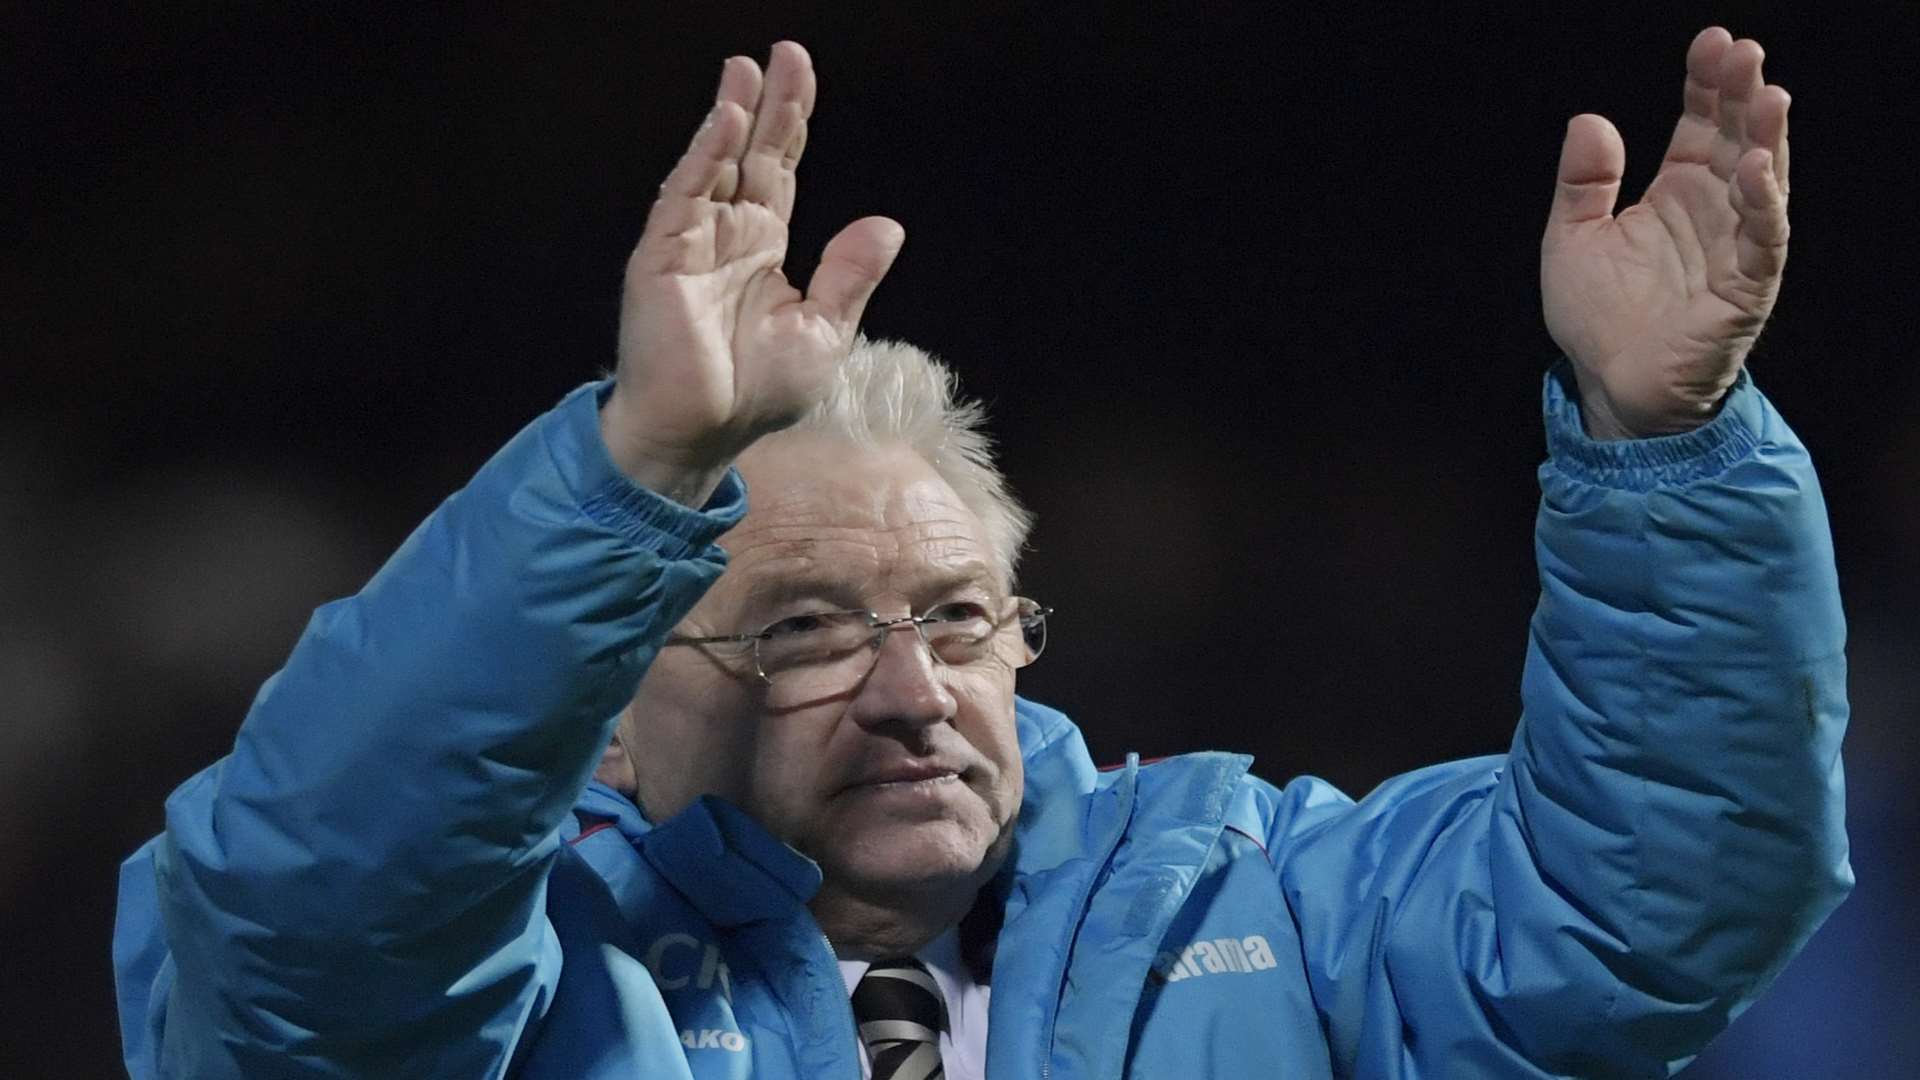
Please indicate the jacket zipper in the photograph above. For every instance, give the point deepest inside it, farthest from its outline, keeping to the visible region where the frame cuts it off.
(858, 1050)
(1080, 910)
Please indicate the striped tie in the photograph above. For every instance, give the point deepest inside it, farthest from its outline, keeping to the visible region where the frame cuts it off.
(901, 1017)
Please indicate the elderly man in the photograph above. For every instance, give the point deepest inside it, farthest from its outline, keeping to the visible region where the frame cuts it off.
(555, 796)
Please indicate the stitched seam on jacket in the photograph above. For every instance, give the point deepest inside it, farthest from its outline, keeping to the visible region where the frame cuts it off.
(1636, 917)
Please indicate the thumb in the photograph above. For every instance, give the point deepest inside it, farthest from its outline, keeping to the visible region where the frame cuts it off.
(851, 268)
(1592, 160)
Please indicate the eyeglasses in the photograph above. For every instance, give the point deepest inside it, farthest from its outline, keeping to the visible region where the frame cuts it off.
(820, 654)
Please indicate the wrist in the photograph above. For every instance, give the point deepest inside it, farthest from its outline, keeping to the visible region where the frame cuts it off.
(688, 477)
(1604, 422)
(1607, 418)
(1597, 418)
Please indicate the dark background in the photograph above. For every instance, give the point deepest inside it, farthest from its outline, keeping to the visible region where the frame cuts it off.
(1252, 297)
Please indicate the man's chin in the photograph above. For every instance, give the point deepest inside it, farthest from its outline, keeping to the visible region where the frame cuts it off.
(915, 855)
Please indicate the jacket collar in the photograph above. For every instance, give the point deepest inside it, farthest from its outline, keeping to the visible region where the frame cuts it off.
(729, 866)
(734, 870)
(1097, 882)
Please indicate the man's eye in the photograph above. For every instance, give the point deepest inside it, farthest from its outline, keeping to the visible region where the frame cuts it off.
(959, 611)
(796, 624)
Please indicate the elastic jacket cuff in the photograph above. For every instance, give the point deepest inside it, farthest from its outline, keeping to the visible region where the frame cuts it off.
(1644, 464)
(609, 499)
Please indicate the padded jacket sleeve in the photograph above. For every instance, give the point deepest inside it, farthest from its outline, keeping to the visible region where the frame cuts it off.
(357, 889)
(1666, 830)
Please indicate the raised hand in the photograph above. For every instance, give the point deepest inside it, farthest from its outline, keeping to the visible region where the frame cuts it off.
(717, 348)
(1658, 306)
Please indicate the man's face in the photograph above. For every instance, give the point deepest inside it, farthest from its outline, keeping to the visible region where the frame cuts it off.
(907, 777)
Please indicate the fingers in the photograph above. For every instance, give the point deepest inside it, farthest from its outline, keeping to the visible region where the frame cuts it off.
(1592, 160)
(1767, 128)
(1756, 196)
(749, 145)
(851, 268)
(1739, 83)
(1700, 119)
(708, 166)
(1730, 109)
(740, 84)
(1750, 153)
(779, 130)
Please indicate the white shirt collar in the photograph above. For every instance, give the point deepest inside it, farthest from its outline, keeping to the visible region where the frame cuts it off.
(963, 1048)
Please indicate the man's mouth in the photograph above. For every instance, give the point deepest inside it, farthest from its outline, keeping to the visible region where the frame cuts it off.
(907, 776)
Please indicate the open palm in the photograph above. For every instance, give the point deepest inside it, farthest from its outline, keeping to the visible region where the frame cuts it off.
(717, 347)
(1658, 306)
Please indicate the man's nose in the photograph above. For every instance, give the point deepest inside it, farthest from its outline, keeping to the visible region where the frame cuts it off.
(906, 686)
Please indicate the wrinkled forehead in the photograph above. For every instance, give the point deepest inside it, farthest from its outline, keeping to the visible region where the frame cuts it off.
(853, 524)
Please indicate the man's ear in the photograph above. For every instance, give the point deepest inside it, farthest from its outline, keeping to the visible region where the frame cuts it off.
(616, 768)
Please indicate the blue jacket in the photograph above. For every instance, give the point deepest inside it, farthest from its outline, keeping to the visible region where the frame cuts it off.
(403, 870)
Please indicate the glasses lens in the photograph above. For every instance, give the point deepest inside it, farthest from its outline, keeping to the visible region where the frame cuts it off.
(958, 633)
(1033, 627)
(815, 656)
(812, 643)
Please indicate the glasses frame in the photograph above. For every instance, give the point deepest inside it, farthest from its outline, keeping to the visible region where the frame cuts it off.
(1027, 612)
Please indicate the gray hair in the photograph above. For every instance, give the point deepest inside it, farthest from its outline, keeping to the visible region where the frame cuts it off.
(890, 391)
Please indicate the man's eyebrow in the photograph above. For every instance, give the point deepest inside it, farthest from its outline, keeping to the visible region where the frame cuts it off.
(775, 590)
(968, 574)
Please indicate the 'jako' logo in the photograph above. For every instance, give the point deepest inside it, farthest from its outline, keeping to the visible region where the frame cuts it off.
(712, 1039)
